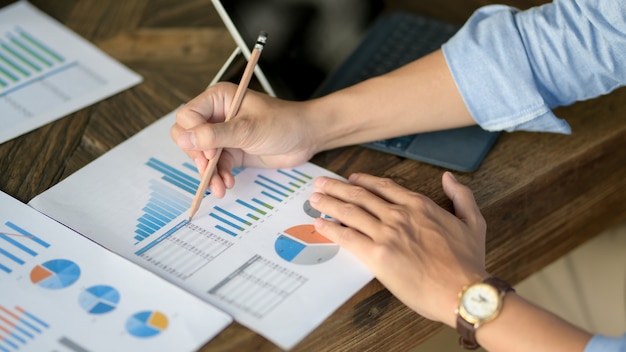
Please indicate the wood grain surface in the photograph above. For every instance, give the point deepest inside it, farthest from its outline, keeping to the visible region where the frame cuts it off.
(542, 194)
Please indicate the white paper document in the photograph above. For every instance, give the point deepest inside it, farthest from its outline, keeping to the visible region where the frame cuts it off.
(47, 71)
(61, 292)
(254, 254)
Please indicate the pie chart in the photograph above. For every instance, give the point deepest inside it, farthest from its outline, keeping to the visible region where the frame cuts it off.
(303, 245)
(99, 299)
(146, 323)
(312, 212)
(55, 274)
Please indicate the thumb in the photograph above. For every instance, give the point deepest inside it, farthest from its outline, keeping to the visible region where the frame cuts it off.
(465, 207)
(210, 136)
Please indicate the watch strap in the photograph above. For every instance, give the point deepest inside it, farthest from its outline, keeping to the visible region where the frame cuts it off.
(467, 334)
(467, 330)
(501, 285)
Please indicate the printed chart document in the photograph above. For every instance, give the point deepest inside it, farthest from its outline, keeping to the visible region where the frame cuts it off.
(62, 292)
(47, 71)
(254, 254)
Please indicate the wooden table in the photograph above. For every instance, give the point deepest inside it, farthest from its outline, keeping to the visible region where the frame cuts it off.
(542, 194)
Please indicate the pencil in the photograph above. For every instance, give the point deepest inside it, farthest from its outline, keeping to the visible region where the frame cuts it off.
(232, 111)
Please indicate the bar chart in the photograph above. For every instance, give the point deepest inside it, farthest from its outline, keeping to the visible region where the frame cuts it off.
(17, 247)
(258, 286)
(172, 193)
(265, 194)
(18, 327)
(170, 196)
(22, 56)
(184, 249)
(30, 67)
(47, 71)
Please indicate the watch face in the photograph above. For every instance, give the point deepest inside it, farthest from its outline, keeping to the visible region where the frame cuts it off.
(481, 302)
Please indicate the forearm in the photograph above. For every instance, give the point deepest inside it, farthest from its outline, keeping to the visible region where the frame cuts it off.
(522, 326)
(418, 97)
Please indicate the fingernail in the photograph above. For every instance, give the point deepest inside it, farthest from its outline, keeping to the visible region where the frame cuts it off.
(318, 223)
(186, 140)
(451, 175)
(315, 197)
(320, 181)
(200, 162)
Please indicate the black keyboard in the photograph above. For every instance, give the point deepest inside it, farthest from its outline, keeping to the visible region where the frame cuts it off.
(393, 41)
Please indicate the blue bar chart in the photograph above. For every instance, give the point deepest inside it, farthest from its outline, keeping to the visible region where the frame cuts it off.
(267, 192)
(258, 286)
(172, 193)
(18, 327)
(17, 247)
(184, 249)
(170, 196)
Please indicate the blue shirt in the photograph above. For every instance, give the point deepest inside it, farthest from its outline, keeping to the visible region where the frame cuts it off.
(602, 343)
(513, 67)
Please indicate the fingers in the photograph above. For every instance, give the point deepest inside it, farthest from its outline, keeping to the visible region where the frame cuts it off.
(356, 242)
(207, 137)
(185, 141)
(203, 108)
(209, 106)
(195, 132)
(192, 132)
(224, 169)
(382, 187)
(373, 205)
(465, 206)
(351, 205)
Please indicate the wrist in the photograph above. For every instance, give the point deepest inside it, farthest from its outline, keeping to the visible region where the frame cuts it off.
(479, 303)
(451, 299)
(329, 126)
(524, 326)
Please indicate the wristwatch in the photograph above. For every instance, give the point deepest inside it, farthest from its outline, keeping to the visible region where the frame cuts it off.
(478, 303)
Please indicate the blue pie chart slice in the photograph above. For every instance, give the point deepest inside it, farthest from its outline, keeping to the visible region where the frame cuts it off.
(301, 244)
(99, 299)
(55, 274)
(146, 324)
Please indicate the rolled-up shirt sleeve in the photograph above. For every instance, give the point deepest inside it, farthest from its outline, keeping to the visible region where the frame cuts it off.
(513, 67)
(601, 343)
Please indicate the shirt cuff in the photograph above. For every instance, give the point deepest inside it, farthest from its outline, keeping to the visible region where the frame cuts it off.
(484, 57)
(604, 343)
